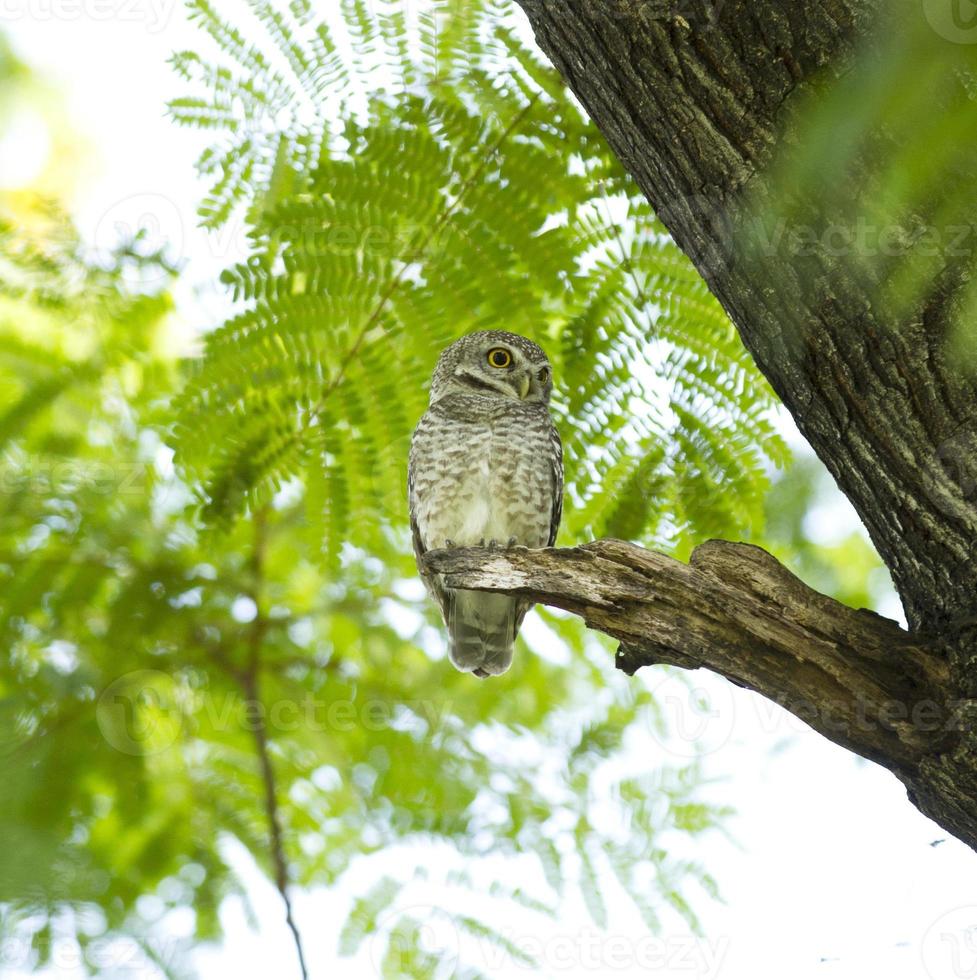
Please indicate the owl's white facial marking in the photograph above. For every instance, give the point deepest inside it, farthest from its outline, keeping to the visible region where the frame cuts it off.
(522, 383)
(482, 383)
(494, 364)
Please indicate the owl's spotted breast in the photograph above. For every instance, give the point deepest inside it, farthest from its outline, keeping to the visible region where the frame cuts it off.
(484, 480)
(485, 467)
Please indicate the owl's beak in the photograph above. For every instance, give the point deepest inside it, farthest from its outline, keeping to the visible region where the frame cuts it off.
(525, 383)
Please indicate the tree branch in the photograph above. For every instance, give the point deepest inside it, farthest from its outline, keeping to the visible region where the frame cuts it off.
(855, 677)
(249, 682)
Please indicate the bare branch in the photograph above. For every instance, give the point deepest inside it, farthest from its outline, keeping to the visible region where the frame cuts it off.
(249, 682)
(855, 677)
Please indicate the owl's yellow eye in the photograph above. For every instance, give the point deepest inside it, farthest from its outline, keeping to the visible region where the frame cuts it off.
(499, 357)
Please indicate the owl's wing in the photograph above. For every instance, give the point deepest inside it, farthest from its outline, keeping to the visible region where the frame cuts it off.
(556, 513)
(556, 469)
(431, 582)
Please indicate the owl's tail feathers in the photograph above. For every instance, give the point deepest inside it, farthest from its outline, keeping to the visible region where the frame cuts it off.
(482, 629)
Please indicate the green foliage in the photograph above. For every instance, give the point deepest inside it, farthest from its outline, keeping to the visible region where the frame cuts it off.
(170, 636)
(143, 654)
(82, 823)
(847, 566)
(464, 190)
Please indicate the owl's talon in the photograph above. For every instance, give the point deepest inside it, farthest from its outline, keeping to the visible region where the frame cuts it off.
(448, 543)
(493, 543)
(511, 543)
(481, 543)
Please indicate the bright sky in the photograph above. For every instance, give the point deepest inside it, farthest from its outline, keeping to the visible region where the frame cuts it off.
(832, 875)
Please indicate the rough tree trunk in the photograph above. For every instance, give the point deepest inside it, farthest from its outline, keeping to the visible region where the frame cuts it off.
(695, 104)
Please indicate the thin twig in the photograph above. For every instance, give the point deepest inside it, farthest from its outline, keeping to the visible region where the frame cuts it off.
(249, 681)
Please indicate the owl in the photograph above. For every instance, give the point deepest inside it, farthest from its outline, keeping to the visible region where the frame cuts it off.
(486, 468)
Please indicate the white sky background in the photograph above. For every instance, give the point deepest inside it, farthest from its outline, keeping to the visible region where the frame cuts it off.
(831, 876)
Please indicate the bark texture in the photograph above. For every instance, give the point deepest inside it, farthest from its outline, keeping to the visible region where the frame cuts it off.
(696, 98)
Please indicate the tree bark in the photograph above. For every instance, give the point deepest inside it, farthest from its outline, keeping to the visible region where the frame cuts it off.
(857, 678)
(696, 105)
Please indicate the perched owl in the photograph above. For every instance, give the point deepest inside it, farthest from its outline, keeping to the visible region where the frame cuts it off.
(486, 468)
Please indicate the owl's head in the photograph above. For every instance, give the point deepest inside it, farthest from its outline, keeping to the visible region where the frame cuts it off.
(495, 364)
